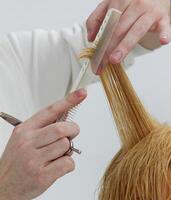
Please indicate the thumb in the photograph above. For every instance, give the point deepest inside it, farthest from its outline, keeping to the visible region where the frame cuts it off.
(54, 112)
(95, 20)
(70, 101)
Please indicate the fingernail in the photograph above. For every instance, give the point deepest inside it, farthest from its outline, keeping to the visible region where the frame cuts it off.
(81, 92)
(90, 37)
(165, 36)
(116, 56)
(165, 39)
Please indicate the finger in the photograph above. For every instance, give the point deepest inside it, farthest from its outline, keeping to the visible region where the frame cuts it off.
(59, 168)
(54, 112)
(55, 150)
(120, 5)
(54, 132)
(164, 31)
(126, 21)
(95, 20)
(138, 30)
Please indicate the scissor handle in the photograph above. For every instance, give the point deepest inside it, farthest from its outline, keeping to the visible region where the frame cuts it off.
(10, 119)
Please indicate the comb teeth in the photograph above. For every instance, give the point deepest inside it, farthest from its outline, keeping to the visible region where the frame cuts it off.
(69, 116)
(72, 113)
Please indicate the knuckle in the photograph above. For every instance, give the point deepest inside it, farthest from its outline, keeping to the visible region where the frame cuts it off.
(125, 49)
(143, 3)
(60, 129)
(65, 143)
(17, 129)
(76, 128)
(70, 100)
(97, 20)
(138, 32)
(93, 18)
(128, 48)
(51, 109)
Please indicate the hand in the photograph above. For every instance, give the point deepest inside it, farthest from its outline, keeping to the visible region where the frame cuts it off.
(138, 17)
(35, 154)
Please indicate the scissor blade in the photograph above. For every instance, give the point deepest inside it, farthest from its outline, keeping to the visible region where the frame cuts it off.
(104, 37)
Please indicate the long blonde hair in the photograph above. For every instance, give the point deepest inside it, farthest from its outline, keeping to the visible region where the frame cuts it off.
(141, 169)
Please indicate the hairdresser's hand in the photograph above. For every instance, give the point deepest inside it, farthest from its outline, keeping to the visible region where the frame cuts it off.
(34, 157)
(138, 18)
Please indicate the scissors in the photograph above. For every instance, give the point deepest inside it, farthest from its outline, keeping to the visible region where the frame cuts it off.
(15, 122)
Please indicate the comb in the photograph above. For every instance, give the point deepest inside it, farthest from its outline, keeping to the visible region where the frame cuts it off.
(101, 42)
(104, 37)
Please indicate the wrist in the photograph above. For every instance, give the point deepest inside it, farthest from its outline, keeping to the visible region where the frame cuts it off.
(9, 197)
(6, 194)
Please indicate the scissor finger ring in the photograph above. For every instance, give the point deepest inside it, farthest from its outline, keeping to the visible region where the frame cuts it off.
(73, 149)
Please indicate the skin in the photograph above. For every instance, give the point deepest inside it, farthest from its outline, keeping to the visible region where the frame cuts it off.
(35, 156)
(142, 21)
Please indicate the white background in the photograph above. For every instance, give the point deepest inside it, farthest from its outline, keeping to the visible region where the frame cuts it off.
(151, 76)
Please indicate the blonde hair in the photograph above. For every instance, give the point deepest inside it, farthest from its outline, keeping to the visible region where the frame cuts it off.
(141, 169)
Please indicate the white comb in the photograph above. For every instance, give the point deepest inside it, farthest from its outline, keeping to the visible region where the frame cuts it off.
(101, 42)
(104, 37)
